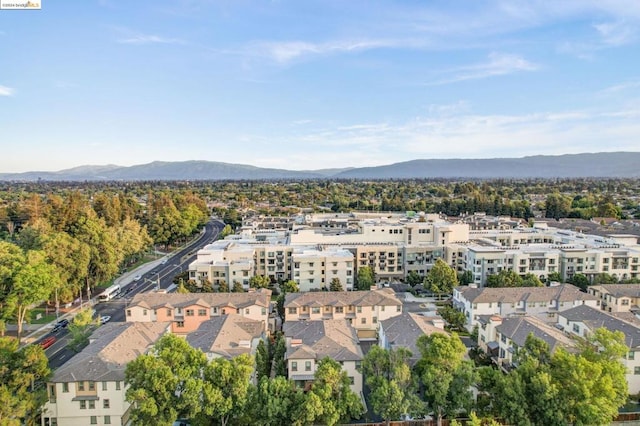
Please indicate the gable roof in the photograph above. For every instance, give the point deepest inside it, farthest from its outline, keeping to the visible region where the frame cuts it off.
(379, 297)
(405, 329)
(561, 293)
(112, 347)
(261, 297)
(222, 335)
(619, 290)
(595, 318)
(518, 329)
(336, 339)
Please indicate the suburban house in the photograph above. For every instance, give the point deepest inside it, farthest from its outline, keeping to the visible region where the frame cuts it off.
(583, 320)
(617, 297)
(90, 389)
(308, 342)
(542, 302)
(403, 331)
(362, 309)
(501, 338)
(227, 336)
(186, 312)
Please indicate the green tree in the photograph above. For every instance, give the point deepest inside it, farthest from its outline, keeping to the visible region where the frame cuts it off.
(504, 278)
(331, 398)
(263, 361)
(182, 289)
(444, 374)
(32, 284)
(336, 285)
(389, 378)
(413, 278)
(226, 231)
(80, 328)
(259, 281)
(555, 276)
(277, 402)
(453, 317)
(466, 278)
(237, 287)
(12, 258)
(604, 278)
(223, 287)
(579, 280)
(20, 372)
(290, 286)
(365, 278)
(279, 351)
(531, 280)
(441, 279)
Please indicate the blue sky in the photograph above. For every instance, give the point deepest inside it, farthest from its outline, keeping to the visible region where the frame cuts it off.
(315, 84)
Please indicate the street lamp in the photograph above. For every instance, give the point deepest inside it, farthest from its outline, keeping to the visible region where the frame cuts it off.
(158, 281)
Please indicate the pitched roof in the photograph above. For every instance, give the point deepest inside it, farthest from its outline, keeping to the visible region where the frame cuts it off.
(223, 335)
(261, 297)
(618, 290)
(336, 339)
(518, 329)
(561, 293)
(379, 297)
(112, 347)
(595, 318)
(405, 329)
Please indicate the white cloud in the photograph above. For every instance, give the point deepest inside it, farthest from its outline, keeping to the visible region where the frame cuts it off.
(616, 33)
(6, 91)
(149, 39)
(498, 64)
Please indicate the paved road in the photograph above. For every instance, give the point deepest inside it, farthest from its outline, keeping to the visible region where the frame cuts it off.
(160, 271)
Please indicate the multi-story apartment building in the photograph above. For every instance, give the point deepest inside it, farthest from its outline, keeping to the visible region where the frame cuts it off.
(273, 261)
(227, 336)
(315, 269)
(90, 388)
(617, 297)
(223, 261)
(501, 337)
(542, 302)
(403, 331)
(185, 312)
(308, 342)
(362, 309)
(583, 320)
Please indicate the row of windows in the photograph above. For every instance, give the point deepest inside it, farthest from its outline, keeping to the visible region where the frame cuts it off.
(340, 309)
(294, 366)
(92, 404)
(191, 312)
(90, 385)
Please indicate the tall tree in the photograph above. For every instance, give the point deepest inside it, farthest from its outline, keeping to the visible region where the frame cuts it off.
(336, 285)
(259, 281)
(263, 361)
(413, 278)
(331, 398)
(365, 278)
(504, 278)
(80, 329)
(441, 279)
(444, 374)
(276, 402)
(290, 286)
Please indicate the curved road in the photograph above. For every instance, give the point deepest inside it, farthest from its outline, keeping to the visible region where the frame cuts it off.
(162, 272)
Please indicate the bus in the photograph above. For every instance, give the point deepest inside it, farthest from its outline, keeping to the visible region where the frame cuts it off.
(110, 293)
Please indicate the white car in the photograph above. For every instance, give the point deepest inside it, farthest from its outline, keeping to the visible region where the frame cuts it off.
(104, 319)
(137, 278)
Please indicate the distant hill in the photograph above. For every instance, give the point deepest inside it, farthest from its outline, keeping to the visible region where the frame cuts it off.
(598, 165)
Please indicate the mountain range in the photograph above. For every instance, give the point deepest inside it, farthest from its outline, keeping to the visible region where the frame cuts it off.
(597, 165)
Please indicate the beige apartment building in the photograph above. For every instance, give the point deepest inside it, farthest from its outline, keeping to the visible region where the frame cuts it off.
(90, 388)
(362, 309)
(308, 342)
(617, 297)
(315, 269)
(185, 312)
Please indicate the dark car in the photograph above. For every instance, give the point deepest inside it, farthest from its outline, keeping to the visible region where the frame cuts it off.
(60, 325)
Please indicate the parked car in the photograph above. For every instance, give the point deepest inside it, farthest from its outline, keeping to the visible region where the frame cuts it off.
(60, 325)
(137, 278)
(164, 261)
(104, 319)
(48, 341)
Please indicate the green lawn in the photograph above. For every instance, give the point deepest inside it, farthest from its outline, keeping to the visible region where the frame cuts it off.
(46, 318)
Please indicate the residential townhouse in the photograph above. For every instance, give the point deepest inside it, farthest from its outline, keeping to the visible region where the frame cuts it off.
(403, 331)
(308, 342)
(227, 336)
(90, 388)
(583, 320)
(617, 297)
(542, 302)
(186, 312)
(501, 337)
(362, 309)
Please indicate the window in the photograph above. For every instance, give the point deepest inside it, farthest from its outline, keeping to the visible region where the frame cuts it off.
(117, 385)
(92, 405)
(263, 311)
(144, 312)
(247, 310)
(294, 365)
(92, 386)
(631, 355)
(189, 312)
(382, 308)
(351, 381)
(215, 310)
(94, 420)
(359, 309)
(315, 310)
(307, 366)
(398, 308)
(81, 386)
(339, 309)
(105, 403)
(168, 312)
(128, 312)
(179, 324)
(104, 386)
(107, 420)
(65, 387)
(83, 405)
(292, 310)
(363, 320)
(375, 320)
(636, 370)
